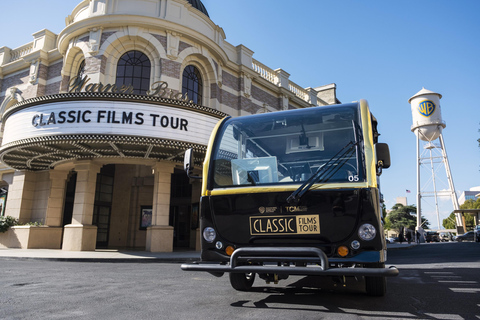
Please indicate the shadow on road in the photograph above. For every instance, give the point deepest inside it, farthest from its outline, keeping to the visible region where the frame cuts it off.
(423, 293)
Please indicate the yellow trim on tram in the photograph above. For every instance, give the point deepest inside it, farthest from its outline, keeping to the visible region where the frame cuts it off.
(208, 154)
(284, 188)
(369, 148)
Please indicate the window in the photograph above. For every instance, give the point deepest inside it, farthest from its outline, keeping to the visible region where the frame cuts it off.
(289, 148)
(192, 84)
(80, 74)
(81, 70)
(134, 68)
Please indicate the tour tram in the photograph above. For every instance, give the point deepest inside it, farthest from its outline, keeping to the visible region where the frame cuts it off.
(294, 193)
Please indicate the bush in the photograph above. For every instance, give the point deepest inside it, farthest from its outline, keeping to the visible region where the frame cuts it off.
(7, 222)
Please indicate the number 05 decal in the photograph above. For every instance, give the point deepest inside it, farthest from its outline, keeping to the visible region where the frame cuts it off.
(353, 178)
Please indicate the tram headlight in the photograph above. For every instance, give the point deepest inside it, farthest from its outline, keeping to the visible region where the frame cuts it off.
(209, 234)
(355, 245)
(367, 232)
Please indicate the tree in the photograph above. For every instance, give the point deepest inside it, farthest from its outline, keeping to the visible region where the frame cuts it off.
(449, 223)
(403, 217)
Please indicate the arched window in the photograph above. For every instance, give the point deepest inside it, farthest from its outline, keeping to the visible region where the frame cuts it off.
(80, 74)
(134, 68)
(81, 70)
(192, 84)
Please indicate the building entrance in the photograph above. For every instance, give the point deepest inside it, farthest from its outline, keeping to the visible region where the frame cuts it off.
(180, 209)
(103, 204)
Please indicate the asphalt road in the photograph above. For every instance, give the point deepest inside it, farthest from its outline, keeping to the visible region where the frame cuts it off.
(436, 281)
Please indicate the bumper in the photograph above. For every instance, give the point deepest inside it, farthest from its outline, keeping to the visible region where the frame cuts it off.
(303, 255)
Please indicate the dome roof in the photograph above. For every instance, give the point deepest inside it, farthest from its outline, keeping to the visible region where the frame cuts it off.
(197, 4)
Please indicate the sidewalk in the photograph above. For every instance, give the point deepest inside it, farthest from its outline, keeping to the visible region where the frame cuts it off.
(100, 255)
(112, 255)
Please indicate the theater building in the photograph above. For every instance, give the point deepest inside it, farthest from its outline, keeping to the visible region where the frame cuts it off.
(95, 121)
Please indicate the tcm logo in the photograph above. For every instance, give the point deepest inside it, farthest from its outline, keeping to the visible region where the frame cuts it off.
(426, 108)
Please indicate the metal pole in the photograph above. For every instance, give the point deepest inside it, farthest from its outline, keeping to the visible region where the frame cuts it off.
(431, 146)
(419, 196)
(453, 194)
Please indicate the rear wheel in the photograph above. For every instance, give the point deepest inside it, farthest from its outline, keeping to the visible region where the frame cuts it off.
(242, 281)
(376, 286)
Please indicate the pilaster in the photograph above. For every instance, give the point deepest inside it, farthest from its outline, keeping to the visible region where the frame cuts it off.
(81, 235)
(20, 196)
(160, 234)
(85, 192)
(56, 198)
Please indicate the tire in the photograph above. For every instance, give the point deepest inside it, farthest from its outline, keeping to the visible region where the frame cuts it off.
(376, 286)
(242, 281)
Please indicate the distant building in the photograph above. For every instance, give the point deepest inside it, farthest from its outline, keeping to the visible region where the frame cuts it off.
(402, 200)
(472, 194)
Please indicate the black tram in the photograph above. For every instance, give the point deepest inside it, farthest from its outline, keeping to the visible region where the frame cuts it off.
(294, 193)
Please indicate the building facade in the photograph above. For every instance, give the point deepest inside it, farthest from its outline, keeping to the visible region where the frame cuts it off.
(471, 194)
(95, 121)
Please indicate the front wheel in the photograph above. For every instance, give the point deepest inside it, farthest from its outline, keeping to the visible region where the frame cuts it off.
(376, 286)
(242, 281)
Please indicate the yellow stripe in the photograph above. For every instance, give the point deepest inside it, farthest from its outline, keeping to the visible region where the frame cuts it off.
(284, 188)
(369, 148)
(206, 162)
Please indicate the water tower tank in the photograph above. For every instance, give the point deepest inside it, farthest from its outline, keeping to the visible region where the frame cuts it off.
(427, 115)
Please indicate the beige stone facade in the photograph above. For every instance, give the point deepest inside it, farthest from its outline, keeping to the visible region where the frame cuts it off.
(97, 166)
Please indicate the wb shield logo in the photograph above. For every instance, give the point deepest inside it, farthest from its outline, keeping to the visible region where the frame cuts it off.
(426, 108)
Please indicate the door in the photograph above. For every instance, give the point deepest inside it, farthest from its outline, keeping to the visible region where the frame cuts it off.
(103, 204)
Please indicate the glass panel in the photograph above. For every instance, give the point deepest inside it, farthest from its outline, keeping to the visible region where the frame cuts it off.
(134, 68)
(192, 84)
(290, 147)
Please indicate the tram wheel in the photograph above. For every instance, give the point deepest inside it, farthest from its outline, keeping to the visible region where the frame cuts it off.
(376, 286)
(242, 281)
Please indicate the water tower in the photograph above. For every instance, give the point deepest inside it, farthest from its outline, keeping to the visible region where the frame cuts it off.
(431, 154)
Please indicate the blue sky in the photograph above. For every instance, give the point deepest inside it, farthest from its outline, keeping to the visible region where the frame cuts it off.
(382, 51)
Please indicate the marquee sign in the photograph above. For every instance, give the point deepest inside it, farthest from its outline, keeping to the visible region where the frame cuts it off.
(42, 132)
(109, 117)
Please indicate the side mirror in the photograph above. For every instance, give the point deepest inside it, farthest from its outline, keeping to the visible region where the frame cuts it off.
(383, 157)
(188, 164)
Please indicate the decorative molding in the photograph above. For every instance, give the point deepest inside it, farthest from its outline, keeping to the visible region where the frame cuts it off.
(34, 66)
(285, 101)
(247, 85)
(173, 41)
(15, 94)
(94, 40)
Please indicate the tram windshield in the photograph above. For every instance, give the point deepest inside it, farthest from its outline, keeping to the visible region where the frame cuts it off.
(323, 143)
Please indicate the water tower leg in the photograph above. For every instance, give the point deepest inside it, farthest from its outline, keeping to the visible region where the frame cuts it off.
(453, 195)
(419, 196)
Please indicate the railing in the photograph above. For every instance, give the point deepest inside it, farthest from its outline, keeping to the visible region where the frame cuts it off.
(21, 51)
(298, 91)
(264, 72)
(271, 76)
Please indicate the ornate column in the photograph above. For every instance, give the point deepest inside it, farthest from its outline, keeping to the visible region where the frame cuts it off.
(81, 235)
(160, 234)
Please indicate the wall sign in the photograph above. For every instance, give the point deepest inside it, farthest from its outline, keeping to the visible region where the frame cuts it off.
(109, 117)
